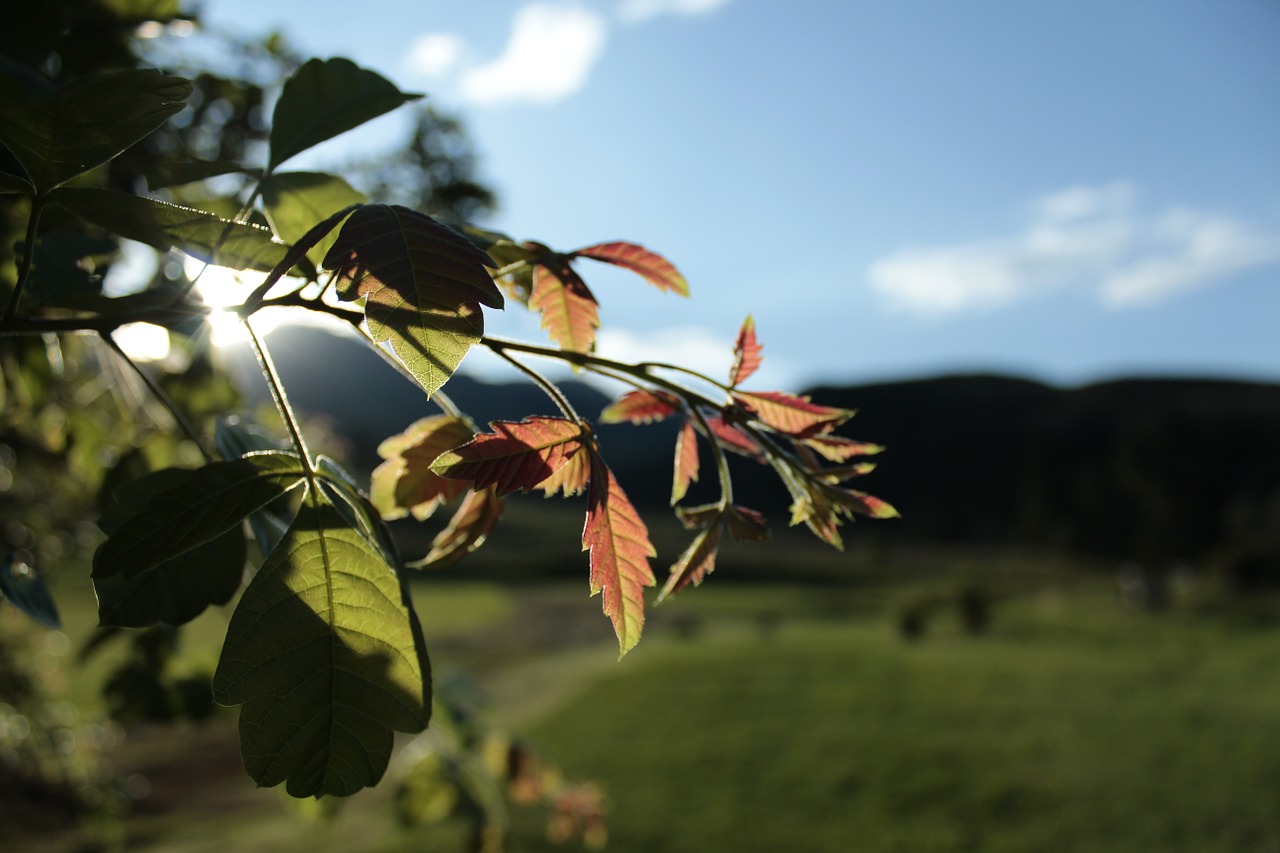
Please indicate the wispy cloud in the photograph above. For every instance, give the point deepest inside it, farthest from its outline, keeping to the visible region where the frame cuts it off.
(1089, 237)
(636, 11)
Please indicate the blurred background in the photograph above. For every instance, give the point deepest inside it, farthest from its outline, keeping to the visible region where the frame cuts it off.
(1037, 246)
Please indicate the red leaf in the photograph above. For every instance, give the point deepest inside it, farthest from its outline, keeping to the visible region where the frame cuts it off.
(570, 313)
(747, 525)
(405, 482)
(790, 414)
(474, 520)
(640, 407)
(620, 550)
(839, 449)
(656, 269)
(686, 462)
(734, 439)
(571, 478)
(697, 517)
(747, 353)
(697, 561)
(516, 455)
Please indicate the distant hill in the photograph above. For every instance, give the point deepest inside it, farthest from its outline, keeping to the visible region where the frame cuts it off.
(1145, 469)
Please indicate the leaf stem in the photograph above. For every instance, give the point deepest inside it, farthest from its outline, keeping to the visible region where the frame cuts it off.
(160, 395)
(557, 396)
(28, 258)
(272, 377)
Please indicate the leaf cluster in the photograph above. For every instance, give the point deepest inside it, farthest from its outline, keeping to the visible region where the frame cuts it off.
(324, 653)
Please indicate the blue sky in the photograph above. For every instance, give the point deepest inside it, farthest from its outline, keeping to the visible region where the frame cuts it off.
(1066, 190)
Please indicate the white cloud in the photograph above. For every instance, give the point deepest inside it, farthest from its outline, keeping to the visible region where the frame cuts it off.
(434, 54)
(695, 347)
(552, 49)
(1088, 237)
(636, 11)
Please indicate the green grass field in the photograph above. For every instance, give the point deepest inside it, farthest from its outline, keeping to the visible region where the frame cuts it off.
(795, 718)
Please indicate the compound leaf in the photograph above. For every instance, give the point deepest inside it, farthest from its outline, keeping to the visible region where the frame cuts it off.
(640, 407)
(474, 520)
(654, 268)
(620, 549)
(516, 455)
(421, 283)
(697, 561)
(58, 133)
(164, 226)
(747, 353)
(192, 509)
(790, 414)
(295, 201)
(686, 462)
(326, 97)
(569, 310)
(405, 483)
(325, 655)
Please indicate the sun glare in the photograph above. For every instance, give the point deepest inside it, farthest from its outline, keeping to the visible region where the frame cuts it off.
(222, 289)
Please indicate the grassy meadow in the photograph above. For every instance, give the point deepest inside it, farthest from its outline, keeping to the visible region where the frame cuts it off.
(789, 717)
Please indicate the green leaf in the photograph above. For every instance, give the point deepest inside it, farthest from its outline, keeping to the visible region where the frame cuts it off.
(169, 226)
(325, 655)
(235, 439)
(195, 510)
(162, 175)
(65, 132)
(25, 590)
(296, 201)
(421, 283)
(178, 590)
(326, 97)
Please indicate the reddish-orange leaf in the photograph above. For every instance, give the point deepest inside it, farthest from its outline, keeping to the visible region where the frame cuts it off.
(474, 520)
(839, 449)
(821, 515)
(570, 313)
(640, 407)
(620, 550)
(734, 439)
(405, 483)
(790, 414)
(697, 561)
(571, 478)
(747, 353)
(656, 269)
(865, 504)
(845, 472)
(516, 455)
(686, 462)
(747, 525)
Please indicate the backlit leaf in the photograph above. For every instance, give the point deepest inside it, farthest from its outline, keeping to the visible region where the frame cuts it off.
(405, 483)
(195, 508)
(620, 549)
(169, 226)
(747, 353)
(165, 174)
(641, 407)
(732, 438)
(420, 281)
(569, 310)
(698, 517)
(326, 97)
(790, 414)
(516, 455)
(62, 132)
(697, 561)
(656, 269)
(474, 520)
(571, 478)
(686, 462)
(325, 655)
(295, 201)
(838, 449)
